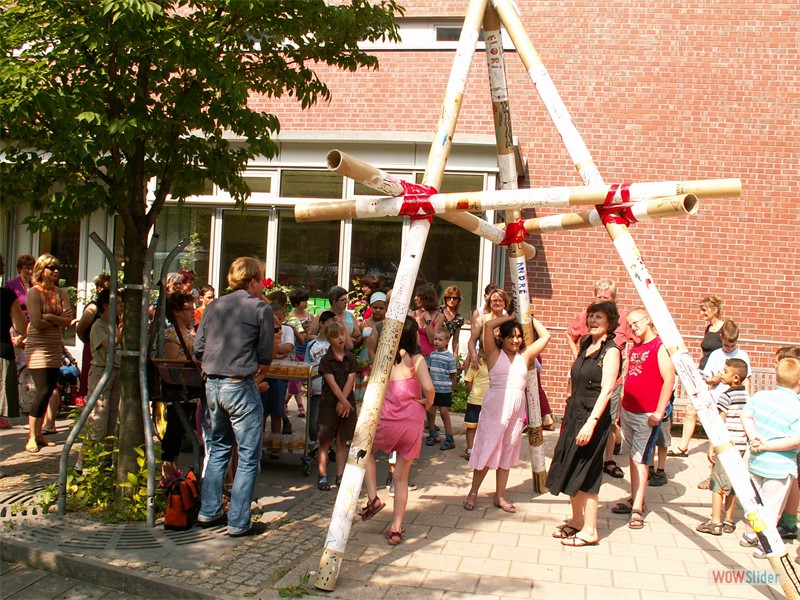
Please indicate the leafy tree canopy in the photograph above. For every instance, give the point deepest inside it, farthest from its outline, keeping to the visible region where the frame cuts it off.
(99, 98)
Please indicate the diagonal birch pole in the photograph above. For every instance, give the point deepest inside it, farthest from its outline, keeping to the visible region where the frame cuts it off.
(616, 225)
(353, 477)
(501, 111)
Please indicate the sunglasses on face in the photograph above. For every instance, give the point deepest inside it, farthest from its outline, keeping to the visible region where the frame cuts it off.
(448, 298)
(51, 268)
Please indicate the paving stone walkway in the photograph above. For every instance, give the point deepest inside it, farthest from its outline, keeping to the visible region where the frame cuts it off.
(447, 552)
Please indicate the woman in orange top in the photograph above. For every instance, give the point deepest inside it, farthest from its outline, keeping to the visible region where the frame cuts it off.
(50, 312)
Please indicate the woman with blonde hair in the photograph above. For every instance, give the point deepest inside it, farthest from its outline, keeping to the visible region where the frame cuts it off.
(453, 320)
(711, 309)
(50, 312)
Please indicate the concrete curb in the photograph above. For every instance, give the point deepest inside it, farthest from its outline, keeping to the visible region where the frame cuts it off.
(97, 572)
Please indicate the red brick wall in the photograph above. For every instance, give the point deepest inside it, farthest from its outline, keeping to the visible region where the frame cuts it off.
(683, 90)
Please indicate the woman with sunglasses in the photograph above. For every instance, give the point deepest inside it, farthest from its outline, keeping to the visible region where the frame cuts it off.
(453, 321)
(50, 312)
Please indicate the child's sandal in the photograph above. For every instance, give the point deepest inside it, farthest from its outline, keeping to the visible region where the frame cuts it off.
(372, 508)
(323, 485)
(469, 501)
(393, 538)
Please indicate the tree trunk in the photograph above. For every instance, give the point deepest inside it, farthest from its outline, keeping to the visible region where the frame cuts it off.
(131, 425)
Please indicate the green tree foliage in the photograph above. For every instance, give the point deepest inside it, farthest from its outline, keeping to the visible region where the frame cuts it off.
(100, 99)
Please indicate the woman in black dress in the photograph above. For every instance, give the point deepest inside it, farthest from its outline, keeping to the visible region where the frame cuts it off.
(577, 467)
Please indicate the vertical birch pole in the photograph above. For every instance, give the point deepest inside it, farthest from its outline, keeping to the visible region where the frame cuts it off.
(353, 477)
(516, 257)
(617, 229)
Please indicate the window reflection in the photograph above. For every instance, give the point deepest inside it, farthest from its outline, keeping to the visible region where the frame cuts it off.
(308, 254)
(177, 222)
(376, 246)
(243, 234)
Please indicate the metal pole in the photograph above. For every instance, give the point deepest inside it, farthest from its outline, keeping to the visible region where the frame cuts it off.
(87, 409)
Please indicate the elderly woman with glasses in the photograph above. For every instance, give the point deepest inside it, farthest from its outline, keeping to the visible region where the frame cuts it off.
(50, 312)
(453, 321)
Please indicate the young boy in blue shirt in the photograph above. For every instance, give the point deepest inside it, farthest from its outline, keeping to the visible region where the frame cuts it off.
(442, 366)
(771, 420)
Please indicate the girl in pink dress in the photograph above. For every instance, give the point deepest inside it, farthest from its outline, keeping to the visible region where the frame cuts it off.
(409, 393)
(499, 434)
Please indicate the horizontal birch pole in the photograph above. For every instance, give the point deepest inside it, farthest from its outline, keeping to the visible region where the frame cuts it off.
(591, 195)
(381, 181)
(646, 210)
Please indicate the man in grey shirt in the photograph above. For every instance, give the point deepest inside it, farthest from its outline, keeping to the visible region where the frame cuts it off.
(234, 342)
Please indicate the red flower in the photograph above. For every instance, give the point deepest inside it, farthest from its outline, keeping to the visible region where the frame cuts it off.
(268, 283)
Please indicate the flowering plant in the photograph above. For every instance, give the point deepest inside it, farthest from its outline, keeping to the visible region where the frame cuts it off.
(356, 301)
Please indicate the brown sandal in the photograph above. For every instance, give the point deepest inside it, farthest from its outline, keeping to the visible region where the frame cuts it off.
(393, 538)
(372, 508)
(637, 520)
(564, 531)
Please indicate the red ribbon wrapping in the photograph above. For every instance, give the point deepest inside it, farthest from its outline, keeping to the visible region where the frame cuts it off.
(415, 201)
(515, 233)
(618, 213)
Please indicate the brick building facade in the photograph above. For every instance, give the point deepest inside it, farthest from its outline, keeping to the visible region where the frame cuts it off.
(666, 91)
(660, 91)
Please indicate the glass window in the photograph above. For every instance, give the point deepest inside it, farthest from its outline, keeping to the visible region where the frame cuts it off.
(452, 183)
(193, 187)
(446, 33)
(308, 254)
(243, 234)
(457, 255)
(258, 185)
(451, 257)
(311, 184)
(376, 246)
(177, 222)
(64, 244)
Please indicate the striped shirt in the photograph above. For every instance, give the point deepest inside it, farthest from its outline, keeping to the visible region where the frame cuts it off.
(442, 365)
(731, 402)
(777, 415)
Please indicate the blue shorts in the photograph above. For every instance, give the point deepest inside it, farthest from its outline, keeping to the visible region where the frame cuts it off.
(274, 399)
(443, 399)
(472, 415)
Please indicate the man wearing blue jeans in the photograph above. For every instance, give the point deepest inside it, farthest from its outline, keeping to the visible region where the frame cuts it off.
(234, 342)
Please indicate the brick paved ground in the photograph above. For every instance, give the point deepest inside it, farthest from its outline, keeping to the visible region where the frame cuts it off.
(447, 552)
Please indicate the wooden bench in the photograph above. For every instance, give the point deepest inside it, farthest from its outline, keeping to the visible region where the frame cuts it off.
(760, 379)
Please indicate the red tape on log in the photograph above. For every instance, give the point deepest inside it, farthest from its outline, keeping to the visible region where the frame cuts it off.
(618, 213)
(515, 233)
(415, 201)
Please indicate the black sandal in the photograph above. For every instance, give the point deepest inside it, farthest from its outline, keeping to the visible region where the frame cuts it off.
(323, 485)
(612, 468)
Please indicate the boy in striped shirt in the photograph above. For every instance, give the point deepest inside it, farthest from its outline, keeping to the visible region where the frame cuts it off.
(730, 404)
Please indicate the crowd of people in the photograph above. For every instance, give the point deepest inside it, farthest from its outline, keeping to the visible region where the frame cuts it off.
(620, 388)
